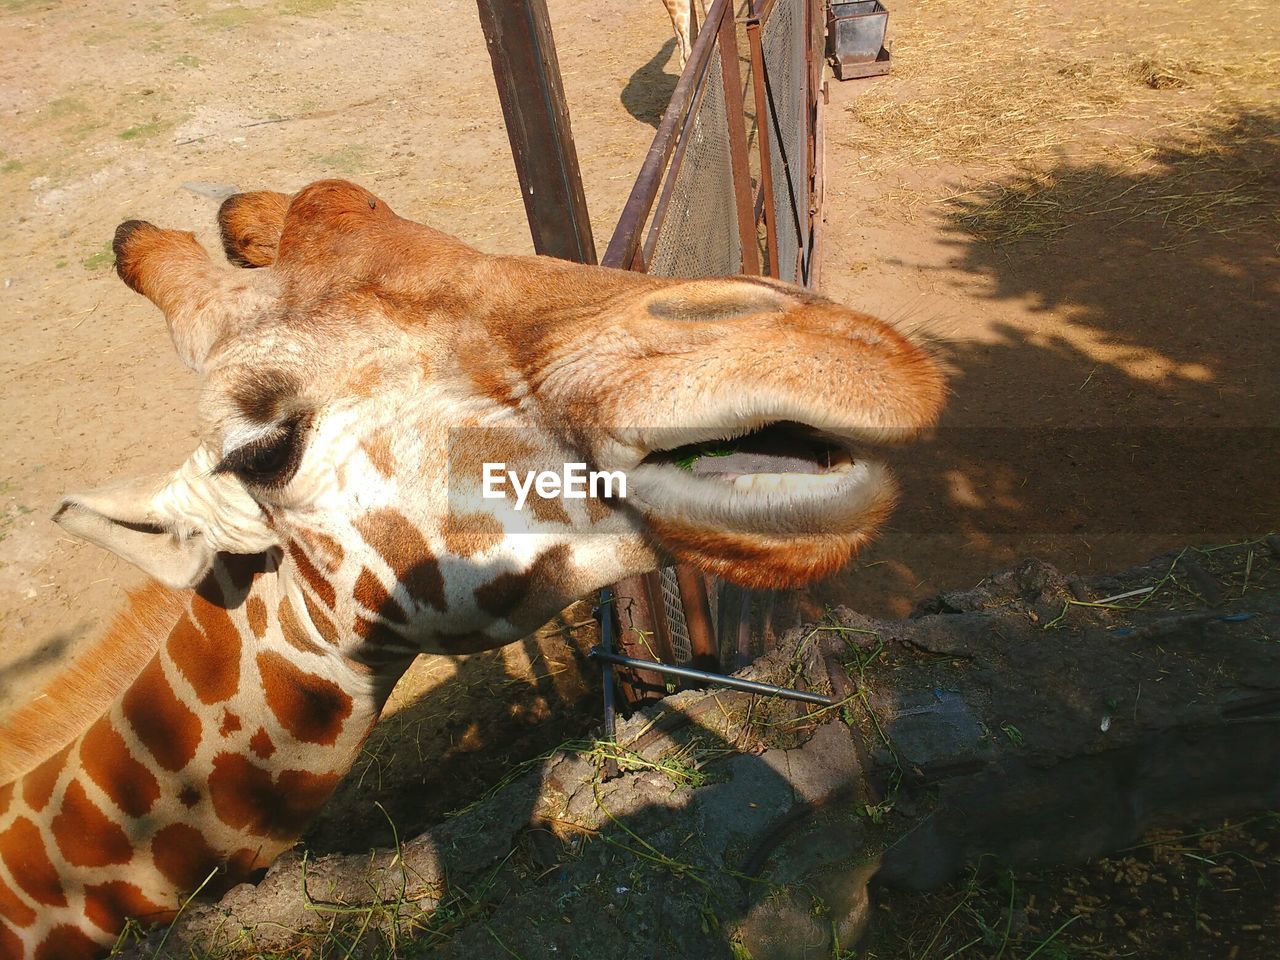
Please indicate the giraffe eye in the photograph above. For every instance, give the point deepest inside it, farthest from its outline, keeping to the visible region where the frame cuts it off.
(272, 460)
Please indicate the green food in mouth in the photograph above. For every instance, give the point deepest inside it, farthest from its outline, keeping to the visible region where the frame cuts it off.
(687, 462)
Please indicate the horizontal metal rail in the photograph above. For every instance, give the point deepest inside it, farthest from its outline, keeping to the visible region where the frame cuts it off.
(626, 239)
(688, 673)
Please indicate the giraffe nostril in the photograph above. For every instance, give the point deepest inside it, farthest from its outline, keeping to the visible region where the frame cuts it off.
(713, 303)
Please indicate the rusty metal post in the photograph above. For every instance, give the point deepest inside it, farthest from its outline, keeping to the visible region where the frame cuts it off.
(738, 161)
(639, 636)
(518, 34)
(697, 618)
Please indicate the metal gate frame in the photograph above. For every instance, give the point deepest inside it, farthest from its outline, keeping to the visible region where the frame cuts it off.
(679, 614)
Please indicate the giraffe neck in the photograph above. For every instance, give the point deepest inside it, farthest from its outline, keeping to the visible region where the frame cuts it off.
(203, 770)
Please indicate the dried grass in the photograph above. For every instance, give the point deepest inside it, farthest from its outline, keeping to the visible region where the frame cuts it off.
(1021, 89)
(1197, 187)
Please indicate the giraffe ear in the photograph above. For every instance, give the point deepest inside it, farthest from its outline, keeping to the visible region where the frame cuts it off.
(171, 526)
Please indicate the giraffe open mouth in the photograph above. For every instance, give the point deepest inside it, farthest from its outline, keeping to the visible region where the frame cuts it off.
(778, 457)
(782, 477)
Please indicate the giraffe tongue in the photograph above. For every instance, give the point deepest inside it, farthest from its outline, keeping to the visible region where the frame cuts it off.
(779, 448)
(742, 462)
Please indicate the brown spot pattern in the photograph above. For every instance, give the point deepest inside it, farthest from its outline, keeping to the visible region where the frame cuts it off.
(65, 942)
(256, 613)
(164, 724)
(108, 905)
(322, 587)
(182, 854)
(230, 723)
(367, 379)
(501, 596)
(407, 553)
(85, 835)
(292, 630)
(598, 508)
(260, 743)
(377, 448)
(23, 852)
(326, 550)
(208, 656)
(14, 908)
(189, 797)
(10, 945)
(311, 708)
(37, 786)
(320, 620)
(375, 634)
(373, 596)
(547, 510)
(105, 757)
(245, 798)
(472, 533)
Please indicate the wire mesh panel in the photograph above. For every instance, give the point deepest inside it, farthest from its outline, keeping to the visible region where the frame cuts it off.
(697, 232)
(682, 219)
(784, 40)
(676, 622)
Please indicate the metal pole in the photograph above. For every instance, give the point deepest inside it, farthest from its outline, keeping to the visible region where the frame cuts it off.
(688, 673)
(518, 34)
(604, 615)
(737, 128)
(697, 617)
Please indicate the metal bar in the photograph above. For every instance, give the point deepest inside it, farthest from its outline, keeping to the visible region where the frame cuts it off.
(762, 141)
(739, 164)
(819, 190)
(626, 236)
(658, 612)
(637, 620)
(527, 73)
(744, 626)
(697, 617)
(815, 95)
(762, 9)
(733, 683)
(605, 613)
(782, 153)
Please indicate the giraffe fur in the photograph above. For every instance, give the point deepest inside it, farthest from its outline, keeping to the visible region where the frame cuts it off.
(358, 369)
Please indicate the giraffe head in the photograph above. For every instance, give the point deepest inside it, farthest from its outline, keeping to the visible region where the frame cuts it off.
(358, 383)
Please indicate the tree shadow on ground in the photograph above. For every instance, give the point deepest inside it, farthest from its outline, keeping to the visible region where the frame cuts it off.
(649, 89)
(1145, 414)
(450, 744)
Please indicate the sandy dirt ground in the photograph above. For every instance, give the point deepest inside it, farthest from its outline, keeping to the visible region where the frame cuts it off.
(1076, 200)
(108, 109)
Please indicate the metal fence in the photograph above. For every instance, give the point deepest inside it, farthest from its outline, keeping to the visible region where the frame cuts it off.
(732, 184)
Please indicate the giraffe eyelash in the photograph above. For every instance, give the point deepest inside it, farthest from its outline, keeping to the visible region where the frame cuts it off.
(272, 459)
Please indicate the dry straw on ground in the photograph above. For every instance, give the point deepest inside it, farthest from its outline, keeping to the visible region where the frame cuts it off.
(1080, 124)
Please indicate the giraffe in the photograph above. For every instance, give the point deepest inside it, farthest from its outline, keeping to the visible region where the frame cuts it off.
(686, 17)
(327, 528)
